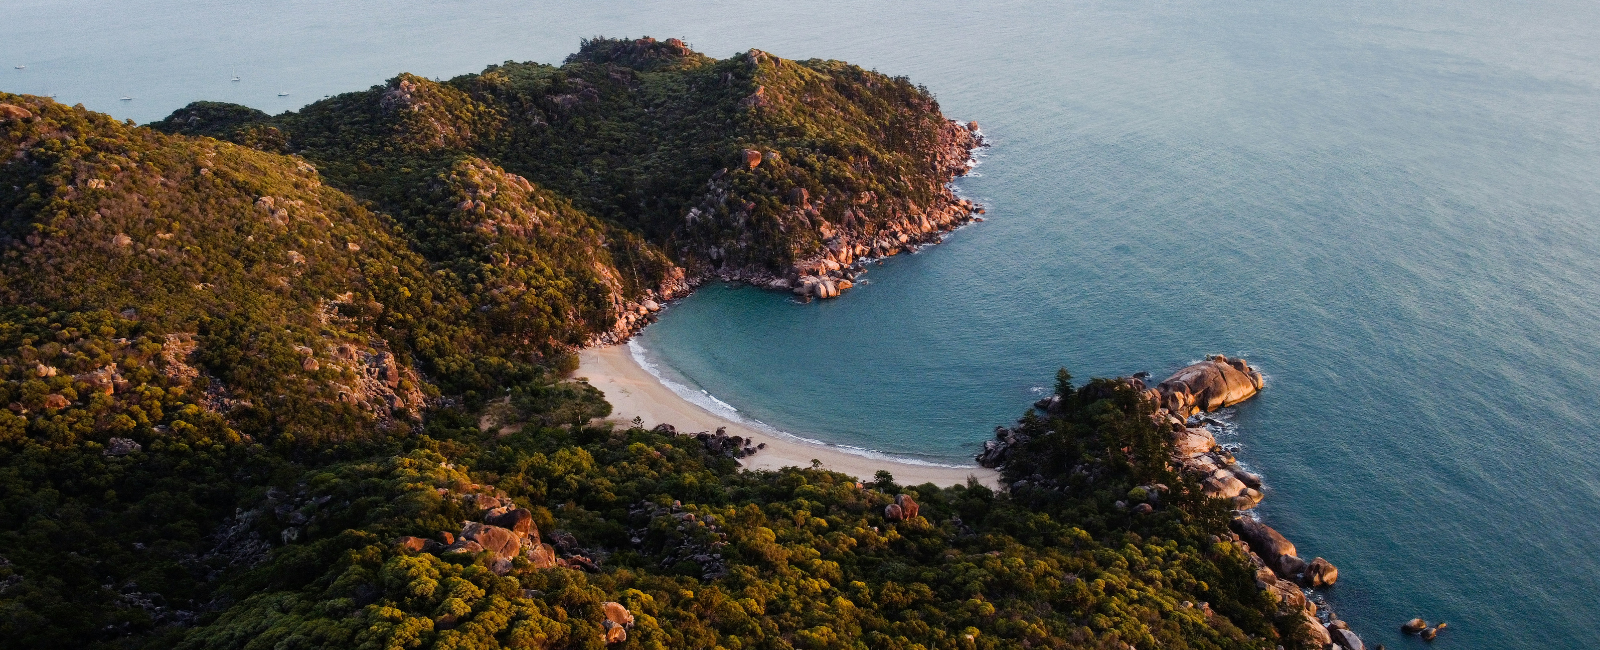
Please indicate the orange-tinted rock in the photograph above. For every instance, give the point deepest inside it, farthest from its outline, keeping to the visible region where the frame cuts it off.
(1321, 572)
(1190, 442)
(908, 507)
(1319, 635)
(1209, 385)
(893, 512)
(616, 623)
(543, 556)
(10, 112)
(500, 541)
(1222, 484)
(464, 546)
(1261, 537)
(413, 544)
(752, 158)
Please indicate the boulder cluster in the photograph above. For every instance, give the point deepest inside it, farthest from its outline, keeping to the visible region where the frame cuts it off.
(904, 508)
(1181, 399)
(634, 315)
(996, 452)
(506, 532)
(1420, 627)
(697, 539)
(614, 628)
(1195, 449)
(719, 443)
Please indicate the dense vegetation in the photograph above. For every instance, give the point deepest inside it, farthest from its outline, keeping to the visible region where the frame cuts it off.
(646, 134)
(234, 372)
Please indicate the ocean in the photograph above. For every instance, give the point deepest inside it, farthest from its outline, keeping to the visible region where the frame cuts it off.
(1392, 208)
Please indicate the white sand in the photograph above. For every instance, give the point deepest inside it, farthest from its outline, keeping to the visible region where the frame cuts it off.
(634, 392)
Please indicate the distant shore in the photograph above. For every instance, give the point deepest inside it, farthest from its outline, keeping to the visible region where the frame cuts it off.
(634, 392)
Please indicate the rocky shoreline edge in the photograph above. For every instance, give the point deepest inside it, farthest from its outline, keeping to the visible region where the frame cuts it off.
(1180, 404)
(846, 251)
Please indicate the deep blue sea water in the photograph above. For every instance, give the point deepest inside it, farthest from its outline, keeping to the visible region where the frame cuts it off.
(1392, 208)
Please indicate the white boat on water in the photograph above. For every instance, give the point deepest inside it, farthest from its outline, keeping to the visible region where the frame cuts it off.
(20, 67)
(283, 94)
(127, 98)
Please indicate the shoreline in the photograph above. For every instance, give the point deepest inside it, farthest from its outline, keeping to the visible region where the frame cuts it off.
(634, 392)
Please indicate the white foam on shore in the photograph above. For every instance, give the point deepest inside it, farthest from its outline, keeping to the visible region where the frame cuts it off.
(727, 411)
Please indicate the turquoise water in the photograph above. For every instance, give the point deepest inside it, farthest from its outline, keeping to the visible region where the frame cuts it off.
(1393, 208)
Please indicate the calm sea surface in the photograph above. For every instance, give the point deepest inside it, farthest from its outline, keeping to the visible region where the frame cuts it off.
(1393, 208)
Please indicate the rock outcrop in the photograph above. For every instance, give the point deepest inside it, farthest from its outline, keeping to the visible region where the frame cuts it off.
(1347, 639)
(908, 506)
(1209, 385)
(996, 452)
(614, 628)
(9, 112)
(1262, 538)
(519, 521)
(1321, 573)
(505, 532)
(121, 447)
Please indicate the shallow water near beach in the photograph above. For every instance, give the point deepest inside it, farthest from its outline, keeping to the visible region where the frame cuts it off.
(1391, 208)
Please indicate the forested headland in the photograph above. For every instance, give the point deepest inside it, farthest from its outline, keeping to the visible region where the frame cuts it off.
(244, 361)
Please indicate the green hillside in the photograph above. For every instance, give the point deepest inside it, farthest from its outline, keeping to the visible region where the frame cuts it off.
(654, 137)
(242, 379)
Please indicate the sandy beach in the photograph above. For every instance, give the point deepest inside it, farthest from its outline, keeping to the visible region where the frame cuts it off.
(634, 392)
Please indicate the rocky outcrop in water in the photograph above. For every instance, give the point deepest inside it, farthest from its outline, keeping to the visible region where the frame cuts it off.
(1179, 404)
(1216, 383)
(1209, 385)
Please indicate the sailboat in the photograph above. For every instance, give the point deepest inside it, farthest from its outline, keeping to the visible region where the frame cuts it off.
(235, 75)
